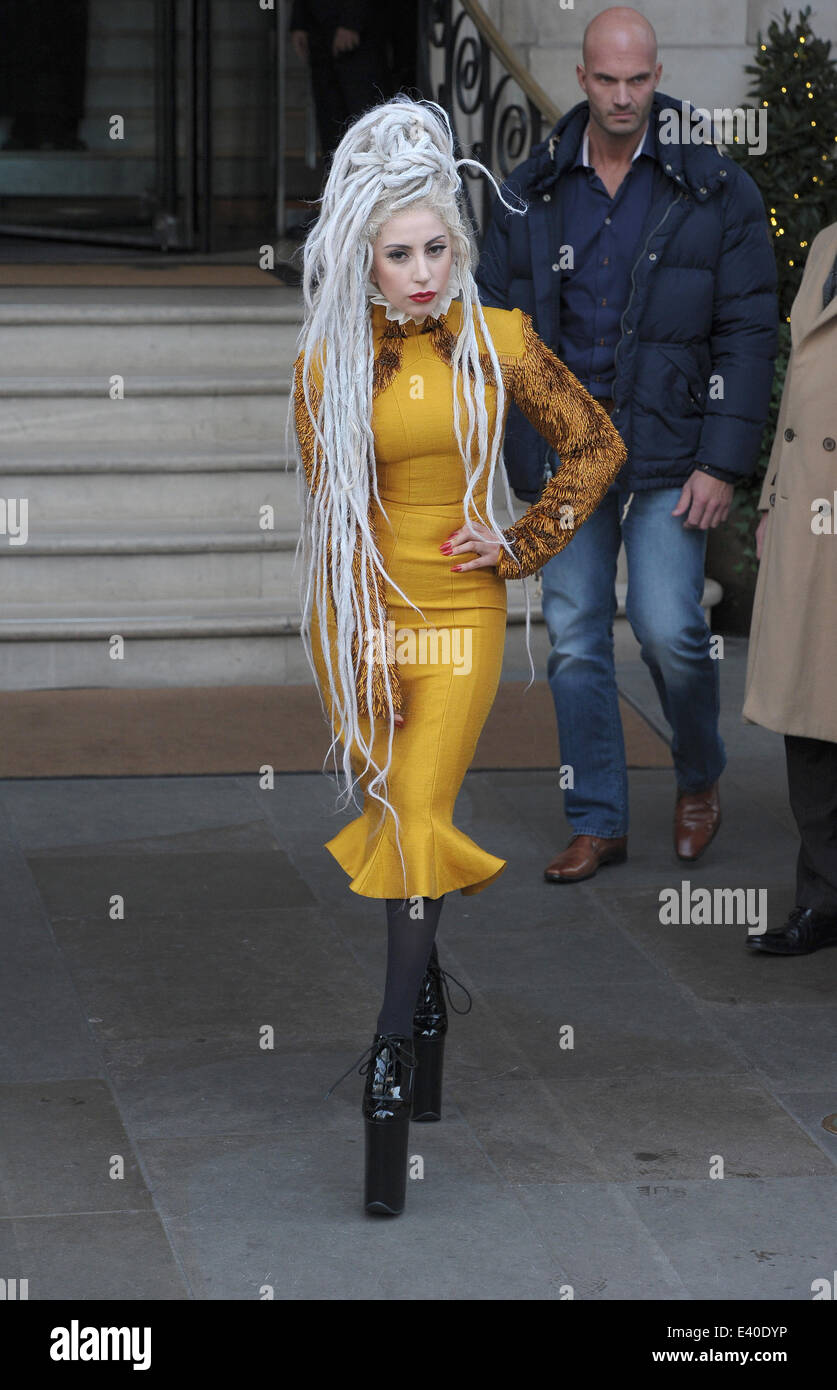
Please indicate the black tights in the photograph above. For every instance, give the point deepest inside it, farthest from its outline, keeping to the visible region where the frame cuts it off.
(409, 943)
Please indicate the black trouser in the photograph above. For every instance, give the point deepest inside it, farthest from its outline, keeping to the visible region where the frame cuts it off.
(43, 65)
(812, 785)
(344, 85)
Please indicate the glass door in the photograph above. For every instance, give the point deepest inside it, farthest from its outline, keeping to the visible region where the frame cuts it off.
(88, 121)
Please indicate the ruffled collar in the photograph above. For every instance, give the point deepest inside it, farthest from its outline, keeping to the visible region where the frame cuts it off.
(394, 328)
(402, 317)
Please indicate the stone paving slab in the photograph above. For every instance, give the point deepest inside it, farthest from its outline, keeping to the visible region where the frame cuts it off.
(206, 973)
(602, 1242)
(766, 1239)
(791, 1044)
(99, 1255)
(713, 962)
(292, 1217)
(810, 1109)
(644, 1129)
(80, 884)
(586, 1166)
(625, 1030)
(76, 1132)
(64, 812)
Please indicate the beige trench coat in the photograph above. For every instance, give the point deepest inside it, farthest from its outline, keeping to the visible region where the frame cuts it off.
(792, 666)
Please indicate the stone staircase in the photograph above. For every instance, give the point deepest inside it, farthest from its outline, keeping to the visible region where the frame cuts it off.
(145, 513)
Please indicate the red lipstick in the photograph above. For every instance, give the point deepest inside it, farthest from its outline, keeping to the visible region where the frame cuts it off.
(424, 296)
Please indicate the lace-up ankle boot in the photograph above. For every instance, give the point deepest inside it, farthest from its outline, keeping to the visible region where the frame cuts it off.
(430, 1026)
(387, 1100)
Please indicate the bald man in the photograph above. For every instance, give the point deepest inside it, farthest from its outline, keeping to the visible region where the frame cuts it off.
(647, 267)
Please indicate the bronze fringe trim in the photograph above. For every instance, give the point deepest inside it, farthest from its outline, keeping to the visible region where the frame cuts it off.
(442, 339)
(587, 442)
(388, 361)
(444, 343)
(305, 432)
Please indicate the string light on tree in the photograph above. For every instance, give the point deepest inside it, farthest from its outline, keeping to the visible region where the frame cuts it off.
(794, 81)
(797, 174)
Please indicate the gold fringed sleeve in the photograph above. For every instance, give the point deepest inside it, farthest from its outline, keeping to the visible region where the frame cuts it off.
(377, 648)
(589, 447)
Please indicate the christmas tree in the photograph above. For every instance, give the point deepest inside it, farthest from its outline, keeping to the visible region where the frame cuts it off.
(795, 79)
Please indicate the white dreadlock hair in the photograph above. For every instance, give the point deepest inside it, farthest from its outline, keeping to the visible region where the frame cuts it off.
(397, 155)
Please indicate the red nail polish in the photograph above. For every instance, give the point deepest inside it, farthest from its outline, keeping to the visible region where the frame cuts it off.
(446, 549)
(455, 567)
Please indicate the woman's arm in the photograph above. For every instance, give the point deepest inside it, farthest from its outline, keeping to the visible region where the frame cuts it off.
(589, 447)
(306, 435)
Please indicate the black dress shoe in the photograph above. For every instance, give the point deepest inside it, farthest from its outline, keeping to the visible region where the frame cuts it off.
(803, 932)
(430, 1024)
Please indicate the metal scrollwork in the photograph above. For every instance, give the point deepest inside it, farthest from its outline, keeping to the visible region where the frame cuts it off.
(494, 118)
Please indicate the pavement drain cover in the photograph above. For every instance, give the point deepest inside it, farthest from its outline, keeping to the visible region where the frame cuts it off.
(830, 1123)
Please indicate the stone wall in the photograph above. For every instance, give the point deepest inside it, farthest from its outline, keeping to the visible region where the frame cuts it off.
(704, 44)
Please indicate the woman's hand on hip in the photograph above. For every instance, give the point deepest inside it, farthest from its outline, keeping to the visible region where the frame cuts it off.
(473, 537)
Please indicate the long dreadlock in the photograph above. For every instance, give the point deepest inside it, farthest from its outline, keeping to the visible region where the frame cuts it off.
(397, 155)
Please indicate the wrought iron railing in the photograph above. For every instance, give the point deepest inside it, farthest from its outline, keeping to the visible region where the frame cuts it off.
(497, 110)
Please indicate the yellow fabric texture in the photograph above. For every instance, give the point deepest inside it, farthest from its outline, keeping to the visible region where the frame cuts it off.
(445, 661)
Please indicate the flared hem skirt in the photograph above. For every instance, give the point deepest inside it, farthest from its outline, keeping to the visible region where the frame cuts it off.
(441, 862)
(449, 665)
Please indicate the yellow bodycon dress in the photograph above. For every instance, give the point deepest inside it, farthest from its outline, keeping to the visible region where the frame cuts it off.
(445, 665)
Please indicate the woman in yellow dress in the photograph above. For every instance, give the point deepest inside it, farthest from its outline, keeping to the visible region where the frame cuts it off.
(401, 390)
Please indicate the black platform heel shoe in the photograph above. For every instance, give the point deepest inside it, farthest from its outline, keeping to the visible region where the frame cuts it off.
(387, 1099)
(430, 1025)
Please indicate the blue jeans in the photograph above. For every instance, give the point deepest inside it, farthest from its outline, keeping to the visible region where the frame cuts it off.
(665, 587)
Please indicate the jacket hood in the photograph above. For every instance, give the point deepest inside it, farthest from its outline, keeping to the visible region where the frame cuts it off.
(695, 165)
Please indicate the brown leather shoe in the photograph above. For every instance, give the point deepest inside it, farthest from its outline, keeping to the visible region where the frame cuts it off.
(697, 816)
(584, 856)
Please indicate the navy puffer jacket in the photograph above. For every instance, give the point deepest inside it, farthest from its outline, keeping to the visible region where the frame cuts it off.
(694, 363)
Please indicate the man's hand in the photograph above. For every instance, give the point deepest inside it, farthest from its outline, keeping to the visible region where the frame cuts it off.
(344, 40)
(706, 500)
(760, 533)
(299, 39)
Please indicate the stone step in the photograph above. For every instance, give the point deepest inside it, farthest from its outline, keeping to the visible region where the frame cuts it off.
(194, 641)
(159, 560)
(150, 338)
(168, 616)
(167, 642)
(109, 484)
(239, 407)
